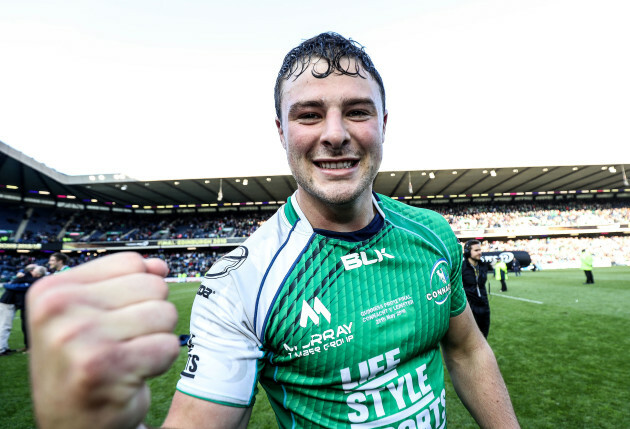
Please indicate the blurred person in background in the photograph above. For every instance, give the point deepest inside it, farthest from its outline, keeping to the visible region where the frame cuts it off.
(500, 273)
(13, 299)
(516, 267)
(58, 262)
(587, 265)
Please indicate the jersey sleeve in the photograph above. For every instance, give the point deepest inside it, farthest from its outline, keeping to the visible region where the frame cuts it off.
(223, 350)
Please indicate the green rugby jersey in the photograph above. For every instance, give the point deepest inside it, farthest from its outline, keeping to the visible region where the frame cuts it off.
(339, 333)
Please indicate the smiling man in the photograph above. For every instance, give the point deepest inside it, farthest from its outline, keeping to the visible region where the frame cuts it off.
(332, 128)
(338, 305)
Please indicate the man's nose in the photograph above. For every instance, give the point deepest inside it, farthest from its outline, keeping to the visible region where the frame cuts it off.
(335, 133)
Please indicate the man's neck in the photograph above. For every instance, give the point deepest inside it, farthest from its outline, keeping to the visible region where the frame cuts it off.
(473, 262)
(348, 217)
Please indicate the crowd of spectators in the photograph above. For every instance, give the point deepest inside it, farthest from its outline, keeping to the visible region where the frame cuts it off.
(544, 252)
(191, 264)
(98, 226)
(565, 252)
(42, 225)
(42, 237)
(101, 226)
(229, 225)
(511, 216)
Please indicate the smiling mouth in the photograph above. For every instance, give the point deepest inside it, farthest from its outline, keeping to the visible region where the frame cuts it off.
(330, 165)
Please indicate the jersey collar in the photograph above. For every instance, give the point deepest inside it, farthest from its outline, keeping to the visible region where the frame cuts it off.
(295, 216)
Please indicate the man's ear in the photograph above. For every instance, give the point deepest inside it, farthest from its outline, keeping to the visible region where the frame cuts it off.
(281, 133)
(385, 115)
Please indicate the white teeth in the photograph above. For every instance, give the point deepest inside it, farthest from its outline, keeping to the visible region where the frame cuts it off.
(334, 165)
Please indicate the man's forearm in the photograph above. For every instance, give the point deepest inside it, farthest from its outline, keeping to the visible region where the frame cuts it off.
(480, 386)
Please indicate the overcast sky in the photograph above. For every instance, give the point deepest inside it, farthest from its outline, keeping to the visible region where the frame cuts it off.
(184, 89)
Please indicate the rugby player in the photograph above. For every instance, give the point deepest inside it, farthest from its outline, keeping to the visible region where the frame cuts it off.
(338, 305)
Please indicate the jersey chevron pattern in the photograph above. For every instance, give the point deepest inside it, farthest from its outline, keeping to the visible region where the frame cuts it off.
(341, 334)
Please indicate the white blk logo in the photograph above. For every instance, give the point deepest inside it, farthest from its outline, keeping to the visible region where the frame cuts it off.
(356, 260)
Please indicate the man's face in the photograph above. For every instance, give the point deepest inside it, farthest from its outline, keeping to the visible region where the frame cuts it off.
(53, 262)
(475, 252)
(333, 131)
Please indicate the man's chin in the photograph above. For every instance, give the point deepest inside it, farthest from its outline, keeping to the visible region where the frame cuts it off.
(336, 196)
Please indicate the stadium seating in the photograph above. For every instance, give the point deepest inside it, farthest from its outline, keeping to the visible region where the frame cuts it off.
(46, 225)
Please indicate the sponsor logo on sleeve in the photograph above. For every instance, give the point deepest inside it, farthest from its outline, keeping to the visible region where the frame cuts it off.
(440, 282)
(205, 291)
(229, 262)
(193, 359)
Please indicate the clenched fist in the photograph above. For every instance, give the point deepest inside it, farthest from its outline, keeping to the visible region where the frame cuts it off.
(98, 332)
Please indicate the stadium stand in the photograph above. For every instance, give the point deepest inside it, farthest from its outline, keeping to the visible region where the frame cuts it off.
(46, 225)
(564, 252)
(551, 212)
(10, 218)
(526, 215)
(552, 233)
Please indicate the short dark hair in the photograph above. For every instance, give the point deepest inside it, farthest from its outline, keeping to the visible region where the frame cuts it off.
(468, 247)
(332, 48)
(60, 257)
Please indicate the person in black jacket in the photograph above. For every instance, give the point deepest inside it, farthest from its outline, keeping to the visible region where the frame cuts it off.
(474, 277)
(14, 298)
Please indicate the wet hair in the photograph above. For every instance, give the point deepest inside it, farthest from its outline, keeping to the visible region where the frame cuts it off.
(331, 48)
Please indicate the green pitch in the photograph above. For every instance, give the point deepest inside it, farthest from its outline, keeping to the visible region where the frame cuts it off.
(562, 347)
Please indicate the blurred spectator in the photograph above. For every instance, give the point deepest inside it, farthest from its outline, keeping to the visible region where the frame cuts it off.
(58, 262)
(500, 274)
(587, 265)
(516, 267)
(14, 298)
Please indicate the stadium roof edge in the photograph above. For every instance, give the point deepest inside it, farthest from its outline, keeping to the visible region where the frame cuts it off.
(21, 157)
(27, 179)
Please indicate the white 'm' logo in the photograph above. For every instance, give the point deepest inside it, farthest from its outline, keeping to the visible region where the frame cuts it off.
(312, 313)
